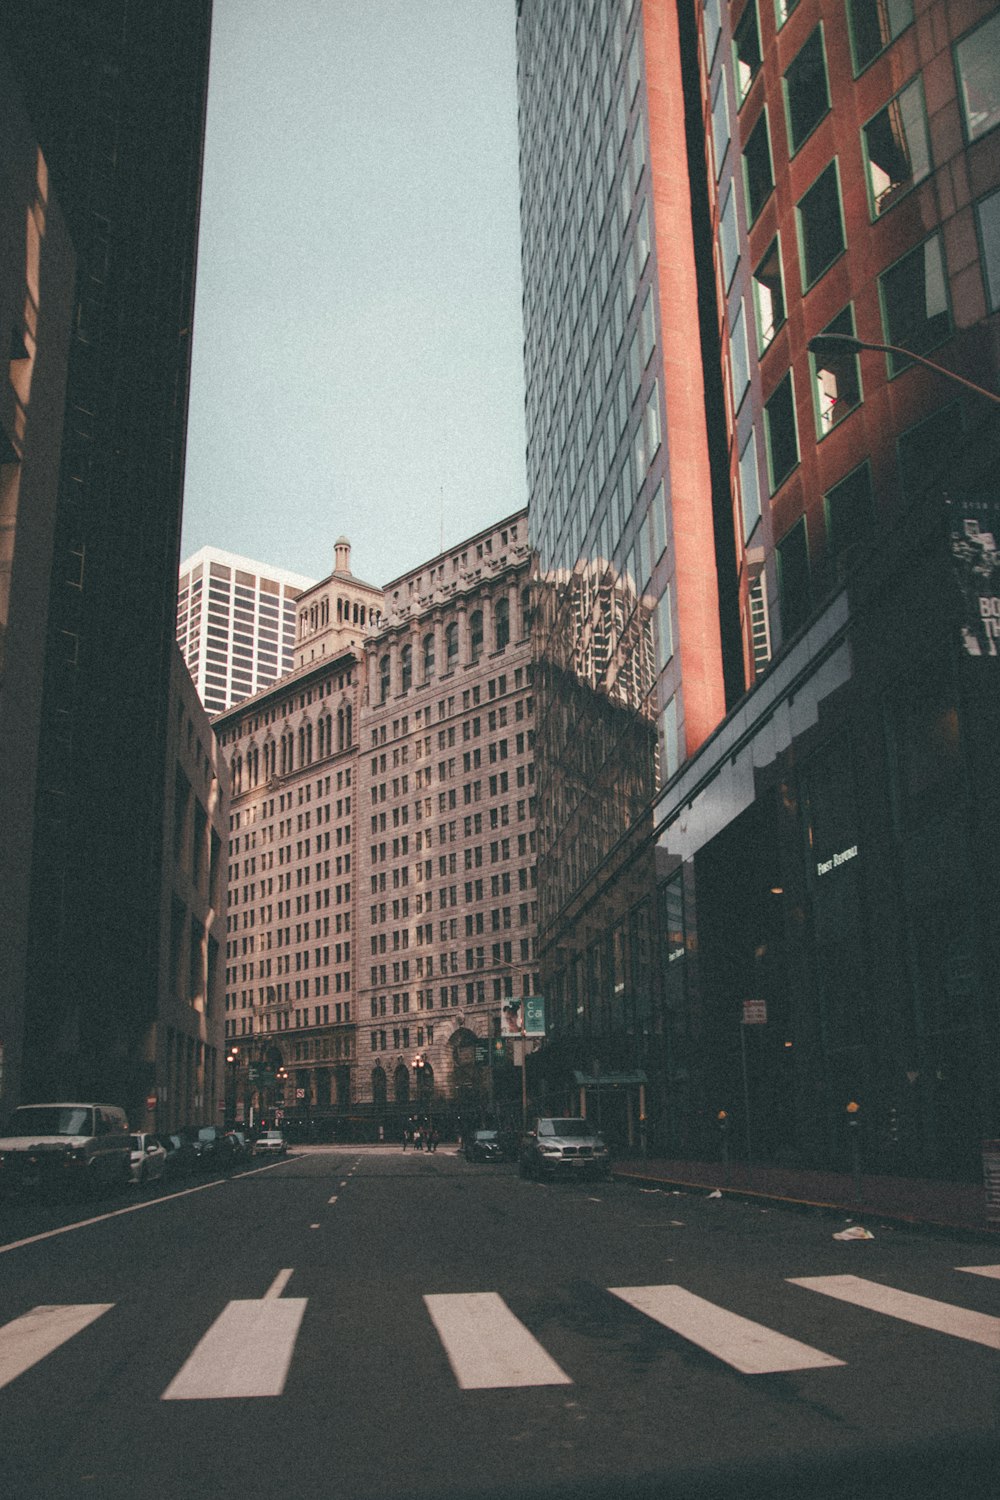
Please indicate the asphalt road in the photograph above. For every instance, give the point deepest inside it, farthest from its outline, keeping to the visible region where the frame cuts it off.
(355, 1323)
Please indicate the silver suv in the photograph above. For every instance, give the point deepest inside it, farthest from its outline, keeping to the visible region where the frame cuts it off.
(563, 1147)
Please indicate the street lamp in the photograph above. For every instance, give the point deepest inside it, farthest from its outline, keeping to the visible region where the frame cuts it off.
(421, 1074)
(232, 1063)
(832, 343)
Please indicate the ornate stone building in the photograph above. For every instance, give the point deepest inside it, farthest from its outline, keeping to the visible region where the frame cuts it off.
(446, 891)
(293, 758)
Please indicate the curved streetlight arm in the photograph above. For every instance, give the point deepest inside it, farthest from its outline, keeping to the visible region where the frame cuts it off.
(820, 345)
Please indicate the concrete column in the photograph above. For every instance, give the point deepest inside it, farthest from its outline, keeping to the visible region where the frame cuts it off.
(439, 661)
(489, 640)
(464, 649)
(394, 672)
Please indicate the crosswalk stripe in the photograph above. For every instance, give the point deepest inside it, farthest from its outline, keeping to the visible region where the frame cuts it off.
(747, 1346)
(942, 1317)
(246, 1352)
(37, 1333)
(993, 1271)
(487, 1346)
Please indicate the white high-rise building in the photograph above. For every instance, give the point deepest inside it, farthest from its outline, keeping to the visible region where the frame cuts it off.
(235, 624)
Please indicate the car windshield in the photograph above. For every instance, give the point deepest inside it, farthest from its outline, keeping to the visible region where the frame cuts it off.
(486, 1135)
(571, 1127)
(52, 1119)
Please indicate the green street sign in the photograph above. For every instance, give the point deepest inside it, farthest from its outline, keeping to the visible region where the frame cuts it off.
(482, 1052)
(261, 1075)
(534, 1015)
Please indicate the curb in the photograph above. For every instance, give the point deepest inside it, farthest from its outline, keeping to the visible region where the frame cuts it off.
(896, 1218)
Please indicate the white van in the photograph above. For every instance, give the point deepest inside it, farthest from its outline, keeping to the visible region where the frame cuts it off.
(65, 1145)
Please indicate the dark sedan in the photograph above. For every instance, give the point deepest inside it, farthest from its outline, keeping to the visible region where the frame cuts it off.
(484, 1145)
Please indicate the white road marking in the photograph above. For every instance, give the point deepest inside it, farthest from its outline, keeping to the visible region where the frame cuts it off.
(133, 1208)
(246, 1352)
(981, 1270)
(942, 1317)
(333, 1199)
(313, 1226)
(278, 1284)
(747, 1346)
(37, 1333)
(487, 1346)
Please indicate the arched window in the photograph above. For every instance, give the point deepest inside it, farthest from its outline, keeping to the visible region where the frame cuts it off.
(525, 613)
(341, 742)
(406, 662)
(401, 1084)
(348, 726)
(476, 633)
(428, 656)
(380, 1087)
(501, 616)
(451, 644)
(383, 679)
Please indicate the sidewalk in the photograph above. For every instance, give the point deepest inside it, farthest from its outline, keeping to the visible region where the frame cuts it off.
(904, 1200)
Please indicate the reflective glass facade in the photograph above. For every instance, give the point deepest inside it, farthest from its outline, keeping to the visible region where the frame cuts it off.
(628, 645)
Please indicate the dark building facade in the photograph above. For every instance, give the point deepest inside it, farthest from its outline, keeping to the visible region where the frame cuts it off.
(115, 91)
(823, 845)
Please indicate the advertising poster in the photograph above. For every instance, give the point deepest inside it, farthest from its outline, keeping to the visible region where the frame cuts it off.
(511, 1018)
(974, 526)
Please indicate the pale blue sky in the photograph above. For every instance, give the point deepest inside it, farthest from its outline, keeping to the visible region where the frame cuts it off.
(357, 338)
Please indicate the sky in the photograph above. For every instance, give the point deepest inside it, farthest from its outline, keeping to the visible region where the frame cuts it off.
(357, 350)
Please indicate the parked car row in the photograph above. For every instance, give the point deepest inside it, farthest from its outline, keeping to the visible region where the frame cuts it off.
(88, 1147)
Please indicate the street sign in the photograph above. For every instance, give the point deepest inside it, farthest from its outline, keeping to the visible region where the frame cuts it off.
(263, 1076)
(300, 1093)
(755, 1013)
(482, 1052)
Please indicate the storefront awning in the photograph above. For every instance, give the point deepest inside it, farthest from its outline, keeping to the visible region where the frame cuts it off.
(606, 1080)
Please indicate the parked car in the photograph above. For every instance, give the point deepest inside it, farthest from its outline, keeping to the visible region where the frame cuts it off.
(484, 1145)
(214, 1151)
(242, 1145)
(181, 1158)
(564, 1147)
(270, 1143)
(149, 1157)
(84, 1146)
